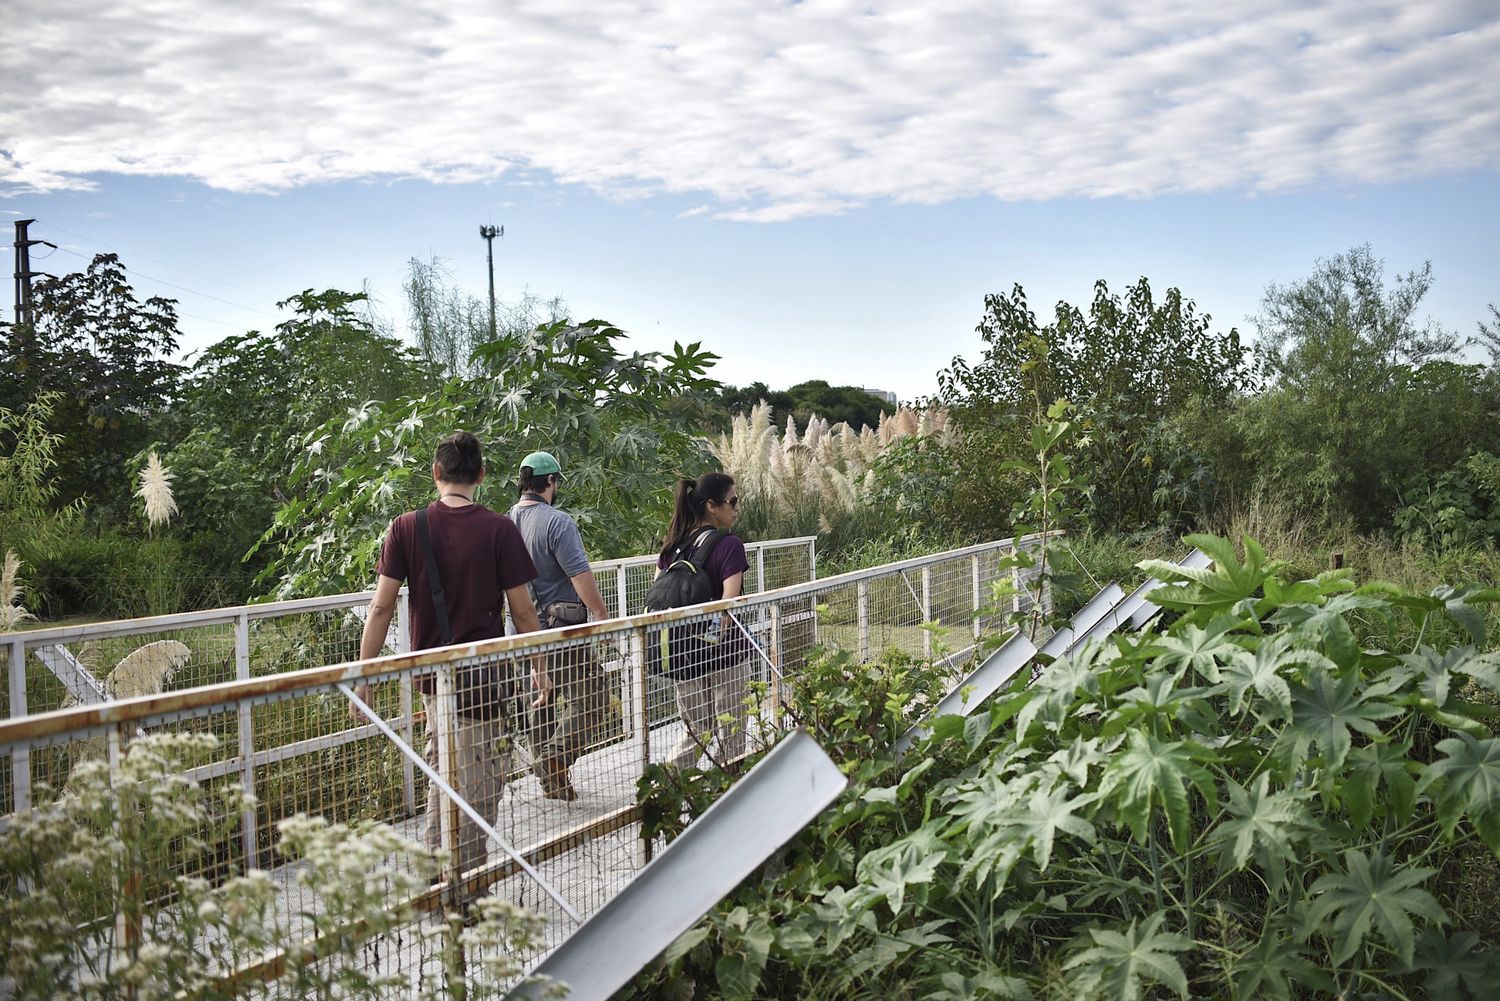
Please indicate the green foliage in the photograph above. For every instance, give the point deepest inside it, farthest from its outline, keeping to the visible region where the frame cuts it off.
(111, 851)
(1247, 803)
(847, 404)
(568, 389)
(1368, 411)
(1129, 366)
(105, 354)
(1459, 507)
(250, 398)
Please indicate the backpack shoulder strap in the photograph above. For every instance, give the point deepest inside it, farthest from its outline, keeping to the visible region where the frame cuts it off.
(424, 538)
(705, 547)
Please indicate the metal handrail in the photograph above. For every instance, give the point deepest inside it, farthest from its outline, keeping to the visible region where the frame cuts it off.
(274, 609)
(163, 707)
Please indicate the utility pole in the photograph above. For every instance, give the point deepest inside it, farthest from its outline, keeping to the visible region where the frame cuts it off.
(489, 233)
(24, 274)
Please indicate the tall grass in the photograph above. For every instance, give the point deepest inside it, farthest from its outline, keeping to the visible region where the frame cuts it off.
(816, 480)
(12, 612)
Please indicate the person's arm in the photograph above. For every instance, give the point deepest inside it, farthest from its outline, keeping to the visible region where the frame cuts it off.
(733, 584)
(377, 625)
(523, 614)
(588, 593)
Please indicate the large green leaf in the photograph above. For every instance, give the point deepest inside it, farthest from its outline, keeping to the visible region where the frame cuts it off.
(1328, 625)
(1262, 670)
(1456, 958)
(1199, 650)
(1469, 777)
(1275, 967)
(1216, 589)
(1151, 772)
(1046, 814)
(1268, 823)
(890, 870)
(1324, 712)
(1373, 892)
(1120, 963)
(1461, 604)
(1376, 764)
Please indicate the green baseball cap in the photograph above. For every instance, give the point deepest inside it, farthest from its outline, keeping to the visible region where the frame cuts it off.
(541, 464)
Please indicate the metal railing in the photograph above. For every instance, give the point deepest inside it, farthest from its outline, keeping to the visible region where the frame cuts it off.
(51, 668)
(287, 737)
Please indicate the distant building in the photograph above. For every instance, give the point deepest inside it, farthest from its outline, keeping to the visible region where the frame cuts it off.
(884, 395)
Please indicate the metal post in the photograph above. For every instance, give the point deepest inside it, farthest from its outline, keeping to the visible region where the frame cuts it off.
(442, 716)
(622, 606)
(976, 595)
(775, 652)
(927, 611)
(20, 755)
(402, 644)
(862, 589)
(760, 568)
(1018, 586)
(489, 233)
(248, 833)
(642, 711)
(812, 559)
(128, 927)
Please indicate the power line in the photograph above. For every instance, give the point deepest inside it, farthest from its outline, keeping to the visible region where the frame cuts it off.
(175, 267)
(184, 288)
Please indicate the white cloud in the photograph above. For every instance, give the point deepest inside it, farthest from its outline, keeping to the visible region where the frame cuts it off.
(770, 111)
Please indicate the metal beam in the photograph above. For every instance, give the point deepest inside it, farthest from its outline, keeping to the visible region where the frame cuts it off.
(984, 681)
(782, 794)
(77, 679)
(1097, 607)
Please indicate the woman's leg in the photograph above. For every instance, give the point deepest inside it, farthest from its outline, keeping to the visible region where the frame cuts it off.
(695, 704)
(731, 712)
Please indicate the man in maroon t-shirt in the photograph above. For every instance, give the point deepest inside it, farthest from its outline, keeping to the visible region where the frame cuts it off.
(482, 562)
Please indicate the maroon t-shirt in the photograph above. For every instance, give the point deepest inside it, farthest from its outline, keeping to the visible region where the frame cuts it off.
(480, 555)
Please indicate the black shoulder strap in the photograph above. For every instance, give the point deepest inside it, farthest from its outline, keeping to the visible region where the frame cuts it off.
(705, 547)
(434, 578)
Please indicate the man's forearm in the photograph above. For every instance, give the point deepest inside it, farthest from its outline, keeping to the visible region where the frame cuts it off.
(377, 625)
(588, 593)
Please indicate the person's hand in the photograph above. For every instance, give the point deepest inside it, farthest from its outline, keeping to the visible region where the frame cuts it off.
(541, 683)
(355, 713)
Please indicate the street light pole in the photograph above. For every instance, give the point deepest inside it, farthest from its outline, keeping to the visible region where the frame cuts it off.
(489, 233)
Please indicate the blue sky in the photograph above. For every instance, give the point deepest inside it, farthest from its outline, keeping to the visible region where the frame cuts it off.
(820, 190)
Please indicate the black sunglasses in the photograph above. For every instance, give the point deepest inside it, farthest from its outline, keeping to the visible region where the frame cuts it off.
(733, 502)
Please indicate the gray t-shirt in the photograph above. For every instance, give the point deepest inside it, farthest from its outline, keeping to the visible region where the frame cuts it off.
(556, 548)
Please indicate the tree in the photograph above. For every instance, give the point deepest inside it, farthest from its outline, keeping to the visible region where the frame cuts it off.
(249, 399)
(1367, 405)
(847, 404)
(607, 416)
(1341, 331)
(107, 355)
(1128, 365)
(449, 324)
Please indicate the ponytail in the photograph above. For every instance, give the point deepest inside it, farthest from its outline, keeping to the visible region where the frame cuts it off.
(690, 506)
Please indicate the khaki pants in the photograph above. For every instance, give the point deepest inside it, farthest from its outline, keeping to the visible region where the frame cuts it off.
(575, 719)
(480, 761)
(713, 705)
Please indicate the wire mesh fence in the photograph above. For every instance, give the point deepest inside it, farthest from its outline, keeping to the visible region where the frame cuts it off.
(530, 801)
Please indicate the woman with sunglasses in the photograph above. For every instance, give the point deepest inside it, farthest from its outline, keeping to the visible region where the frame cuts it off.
(712, 699)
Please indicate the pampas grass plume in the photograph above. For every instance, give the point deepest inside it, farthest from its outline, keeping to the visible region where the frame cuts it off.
(156, 492)
(12, 612)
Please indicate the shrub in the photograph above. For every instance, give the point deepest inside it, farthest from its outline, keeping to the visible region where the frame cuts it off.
(1246, 803)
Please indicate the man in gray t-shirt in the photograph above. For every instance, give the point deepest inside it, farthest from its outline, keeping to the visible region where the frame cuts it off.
(565, 594)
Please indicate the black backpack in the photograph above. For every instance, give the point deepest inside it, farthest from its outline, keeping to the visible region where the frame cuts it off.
(684, 582)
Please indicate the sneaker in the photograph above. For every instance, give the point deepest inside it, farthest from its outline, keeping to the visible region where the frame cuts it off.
(561, 787)
(554, 778)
